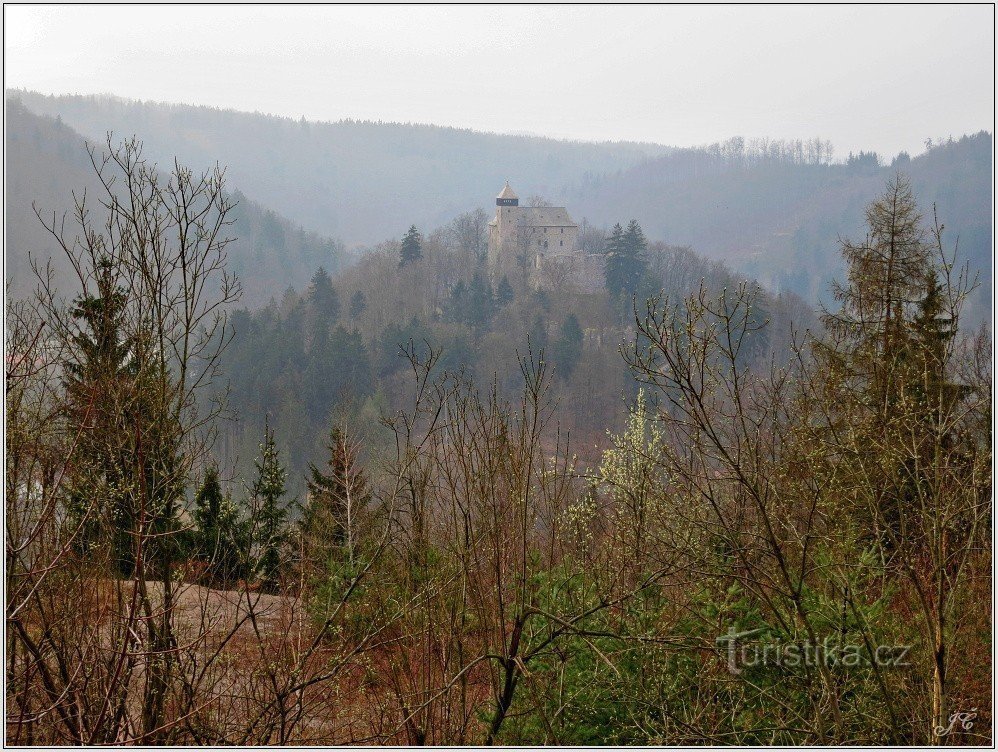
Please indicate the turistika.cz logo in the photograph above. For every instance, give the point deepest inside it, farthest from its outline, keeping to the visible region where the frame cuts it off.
(743, 652)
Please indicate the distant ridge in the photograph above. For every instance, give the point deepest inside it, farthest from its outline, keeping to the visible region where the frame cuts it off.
(47, 161)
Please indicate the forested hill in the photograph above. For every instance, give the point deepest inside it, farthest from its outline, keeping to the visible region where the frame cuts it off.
(776, 210)
(360, 181)
(47, 161)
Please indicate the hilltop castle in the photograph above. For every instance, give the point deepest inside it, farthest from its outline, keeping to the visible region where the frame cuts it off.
(539, 245)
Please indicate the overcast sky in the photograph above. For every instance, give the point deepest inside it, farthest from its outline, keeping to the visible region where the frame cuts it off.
(883, 78)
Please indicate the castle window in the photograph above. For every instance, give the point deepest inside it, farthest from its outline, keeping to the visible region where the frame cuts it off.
(562, 230)
(561, 242)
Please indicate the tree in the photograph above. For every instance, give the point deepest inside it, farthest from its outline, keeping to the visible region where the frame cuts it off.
(219, 535)
(612, 243)
(568, 347)
(269, 513)
(480, 303)
(336, 499)
(537, 337)
(592, 239)
(468, 233)
(631, 471)
(323, 298)
(901, 418)
(457, 302)
(139, 345)
(625, 260)
(412, 247)
(101, 381)
(504, 293)
(358, 303)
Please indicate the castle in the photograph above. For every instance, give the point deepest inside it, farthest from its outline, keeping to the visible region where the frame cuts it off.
(538, 245)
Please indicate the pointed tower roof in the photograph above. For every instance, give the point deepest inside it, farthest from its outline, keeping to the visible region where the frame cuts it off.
(507, 192)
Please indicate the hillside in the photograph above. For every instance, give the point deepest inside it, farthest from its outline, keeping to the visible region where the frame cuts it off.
(774, 210)
(360, 181)
(47, 161)
(778, 217)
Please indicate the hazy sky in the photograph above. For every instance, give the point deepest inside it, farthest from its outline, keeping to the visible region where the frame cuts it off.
(883, 78)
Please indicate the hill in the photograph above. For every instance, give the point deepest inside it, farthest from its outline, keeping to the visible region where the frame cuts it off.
(776, 212)
(772, 209)
(360, 181)
(47, 161)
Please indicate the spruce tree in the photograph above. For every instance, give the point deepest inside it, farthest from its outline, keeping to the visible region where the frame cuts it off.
(613, 242)
(626, 263)
(412, 247)
(124, 480)
(538, 336)
(323, 298)
(269, 521)
(218, 539)
(100, 378)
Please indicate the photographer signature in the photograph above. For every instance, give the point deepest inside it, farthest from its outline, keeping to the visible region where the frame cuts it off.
(964, 718)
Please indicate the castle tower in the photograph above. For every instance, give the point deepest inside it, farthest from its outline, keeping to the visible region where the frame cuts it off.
(507, 197)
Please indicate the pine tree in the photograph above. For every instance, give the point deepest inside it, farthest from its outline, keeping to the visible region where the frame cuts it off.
(412, 247)
(335, 500)
(269, 521)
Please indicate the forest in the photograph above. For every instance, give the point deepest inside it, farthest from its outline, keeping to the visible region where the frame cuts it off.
(404, 503)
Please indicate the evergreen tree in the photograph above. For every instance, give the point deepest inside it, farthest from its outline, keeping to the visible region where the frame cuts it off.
(538, 336)
(323, 298)
(269, 521)
(481, 305)
(613, 242)
(219, 536)
(568, 346)
(99, 375)
(335, 500)
(626, 263)
(358, 304)
(457, 302)
(124, 477)
(412, 247)
(504, 293)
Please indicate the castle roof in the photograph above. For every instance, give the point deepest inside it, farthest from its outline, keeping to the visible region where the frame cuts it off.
(545, 216)
(507, 192)
(540, 216)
